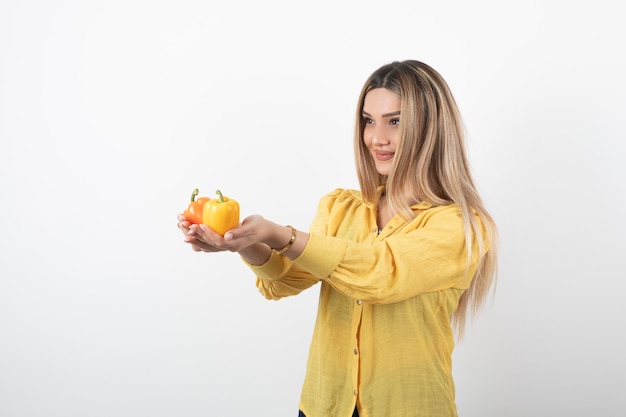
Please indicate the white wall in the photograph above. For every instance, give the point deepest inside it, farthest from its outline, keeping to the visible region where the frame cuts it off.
(112, 112)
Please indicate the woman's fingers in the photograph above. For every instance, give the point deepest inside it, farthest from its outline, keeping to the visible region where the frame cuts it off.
(183, 224)
(200, 246)
(212, 241)
(203, 239)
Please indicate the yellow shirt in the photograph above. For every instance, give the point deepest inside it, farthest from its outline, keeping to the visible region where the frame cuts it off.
(382, 338)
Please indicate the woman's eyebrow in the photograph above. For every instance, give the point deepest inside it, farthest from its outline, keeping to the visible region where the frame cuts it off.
(395, 113)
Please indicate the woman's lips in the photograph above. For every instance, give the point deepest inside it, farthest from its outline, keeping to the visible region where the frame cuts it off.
(384, 156)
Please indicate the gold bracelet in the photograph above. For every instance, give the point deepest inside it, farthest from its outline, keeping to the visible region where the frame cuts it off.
(288, 245)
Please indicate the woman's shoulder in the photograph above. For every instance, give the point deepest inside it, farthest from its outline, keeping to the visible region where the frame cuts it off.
(343, 196)
(342, 199)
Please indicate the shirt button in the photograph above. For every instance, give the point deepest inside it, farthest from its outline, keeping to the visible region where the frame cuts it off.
(359, 302)
(356, 351)
(356, 392)
(374, 230)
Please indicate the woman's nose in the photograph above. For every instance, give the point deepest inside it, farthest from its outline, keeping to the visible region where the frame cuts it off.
(379, 136)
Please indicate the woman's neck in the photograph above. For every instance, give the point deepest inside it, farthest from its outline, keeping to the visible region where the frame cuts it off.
(384, 213)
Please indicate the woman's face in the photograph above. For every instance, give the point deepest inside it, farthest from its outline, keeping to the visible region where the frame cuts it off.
(381, 112)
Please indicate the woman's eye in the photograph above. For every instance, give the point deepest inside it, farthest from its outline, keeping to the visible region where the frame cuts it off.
(367, 120)
(394, 121)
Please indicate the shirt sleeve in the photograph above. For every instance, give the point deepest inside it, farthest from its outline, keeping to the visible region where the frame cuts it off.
(430, 256)
(279, 277)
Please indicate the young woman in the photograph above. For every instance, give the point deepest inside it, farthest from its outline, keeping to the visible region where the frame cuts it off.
(402, 262)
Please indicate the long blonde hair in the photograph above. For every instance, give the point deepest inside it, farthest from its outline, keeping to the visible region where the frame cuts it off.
(431, 165)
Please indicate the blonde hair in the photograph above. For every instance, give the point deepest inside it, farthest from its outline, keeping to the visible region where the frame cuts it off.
(430, 164)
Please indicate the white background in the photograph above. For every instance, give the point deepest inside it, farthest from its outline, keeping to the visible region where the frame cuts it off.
(111, 112)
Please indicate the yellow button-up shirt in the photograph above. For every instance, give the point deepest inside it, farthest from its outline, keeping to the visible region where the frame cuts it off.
(382, 339)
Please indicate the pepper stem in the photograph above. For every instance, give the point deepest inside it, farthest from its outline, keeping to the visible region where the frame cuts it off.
(194, 194)
(221, 197)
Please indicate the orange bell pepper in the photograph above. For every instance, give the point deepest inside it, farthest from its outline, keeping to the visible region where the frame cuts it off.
(194, 211)
(221, 214)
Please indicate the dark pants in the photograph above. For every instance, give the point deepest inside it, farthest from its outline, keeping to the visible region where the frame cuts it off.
(355, 414)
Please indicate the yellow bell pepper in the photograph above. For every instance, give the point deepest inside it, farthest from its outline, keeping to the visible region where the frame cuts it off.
(221, 214)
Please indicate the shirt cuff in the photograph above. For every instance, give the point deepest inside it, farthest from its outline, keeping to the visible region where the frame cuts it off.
(322, 255)
(272, 269)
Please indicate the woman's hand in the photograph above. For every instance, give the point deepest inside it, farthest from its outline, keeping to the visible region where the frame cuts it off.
(253, 239)
(252, 230)
(198, 243)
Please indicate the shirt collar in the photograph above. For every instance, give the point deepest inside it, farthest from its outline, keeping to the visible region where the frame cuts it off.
(422, 205)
